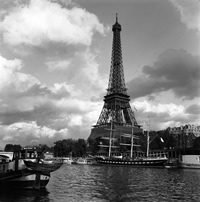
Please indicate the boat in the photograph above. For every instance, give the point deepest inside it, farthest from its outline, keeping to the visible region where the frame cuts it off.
(81, 161)
(170, 164)
(42, 167)
(86, 160)
(189, 161)
(15, 174)
(148, 161)
(67, 160)
(137, 162)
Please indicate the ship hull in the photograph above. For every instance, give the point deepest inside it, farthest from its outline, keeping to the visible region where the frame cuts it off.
(157, 162)
(24, 179)
(42, 167)
(189, 161)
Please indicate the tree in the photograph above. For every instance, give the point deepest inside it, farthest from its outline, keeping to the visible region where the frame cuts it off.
(12, 148)
(196, 144)
(93, 145)
(67, 146)
(169, 139)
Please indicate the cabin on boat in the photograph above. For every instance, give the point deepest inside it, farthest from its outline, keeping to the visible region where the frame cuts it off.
(5, 158)
(11, 161)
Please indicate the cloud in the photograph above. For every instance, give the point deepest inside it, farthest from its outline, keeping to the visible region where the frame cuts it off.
(189, 11)
(58, 65)
(81, 69)
(65, 110)
(38, 22)
(193, 109)
(33, 112)
(171, 109)
(193, 112)
(25, 133)
(89, 70)
(12, 78)
(164, 115)
(175, 70)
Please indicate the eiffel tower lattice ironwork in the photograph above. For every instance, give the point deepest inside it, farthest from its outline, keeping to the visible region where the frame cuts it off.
(116, 103)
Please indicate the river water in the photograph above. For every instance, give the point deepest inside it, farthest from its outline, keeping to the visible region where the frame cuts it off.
(92, 183)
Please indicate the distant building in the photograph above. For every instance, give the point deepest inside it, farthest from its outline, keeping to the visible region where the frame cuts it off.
(186, 129)
(185, 135)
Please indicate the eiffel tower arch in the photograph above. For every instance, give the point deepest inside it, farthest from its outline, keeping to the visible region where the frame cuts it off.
(116, 108)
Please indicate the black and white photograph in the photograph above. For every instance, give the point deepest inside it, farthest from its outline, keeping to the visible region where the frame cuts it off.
(99, 100)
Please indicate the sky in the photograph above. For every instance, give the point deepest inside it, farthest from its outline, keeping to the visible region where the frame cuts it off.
(55, 58)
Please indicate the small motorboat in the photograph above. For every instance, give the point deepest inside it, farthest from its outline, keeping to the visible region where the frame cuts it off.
(67, 160)
(171, 164)
(84, 161)
(81, 161)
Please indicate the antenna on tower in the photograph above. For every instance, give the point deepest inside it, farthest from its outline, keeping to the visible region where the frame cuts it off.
(116, 17)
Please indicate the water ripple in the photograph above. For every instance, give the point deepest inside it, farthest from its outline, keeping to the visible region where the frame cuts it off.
(86, 183)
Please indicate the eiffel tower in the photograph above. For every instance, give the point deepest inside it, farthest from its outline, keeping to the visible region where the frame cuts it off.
(116, 107)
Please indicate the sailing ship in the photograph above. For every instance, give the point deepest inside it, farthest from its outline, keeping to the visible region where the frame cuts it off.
(147, 161)
(16, 170)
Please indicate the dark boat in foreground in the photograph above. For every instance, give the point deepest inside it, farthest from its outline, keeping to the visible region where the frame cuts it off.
(23, 179)
(15, 174)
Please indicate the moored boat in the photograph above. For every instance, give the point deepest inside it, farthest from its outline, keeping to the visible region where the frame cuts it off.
(67, 160)
(84, 161)
(15, 174)
(42, 167)
(189, 161)
(171, 164)
(81, 161)
(24, 178)
(157, 161)
(137, 162)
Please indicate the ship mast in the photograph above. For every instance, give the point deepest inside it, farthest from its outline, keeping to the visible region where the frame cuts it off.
(148, 127)
(110, 138)
(132, 140)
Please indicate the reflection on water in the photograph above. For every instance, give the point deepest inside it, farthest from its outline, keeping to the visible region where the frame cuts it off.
(23, 195)
(109, 183)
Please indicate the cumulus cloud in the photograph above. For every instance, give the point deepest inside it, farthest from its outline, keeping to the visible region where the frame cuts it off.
(164, 115)
(193, 109)
(89, 70)
(189, 11)
(175, 70)
(81, 69)
(171, 109)
(58, 65)
(38, 22)
(27, 133)
(11, 79)
(57, 111)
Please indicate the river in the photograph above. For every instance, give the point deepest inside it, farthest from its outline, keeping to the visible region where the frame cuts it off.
(92, 183)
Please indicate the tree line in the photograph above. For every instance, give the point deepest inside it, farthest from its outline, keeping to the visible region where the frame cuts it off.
(82, 147)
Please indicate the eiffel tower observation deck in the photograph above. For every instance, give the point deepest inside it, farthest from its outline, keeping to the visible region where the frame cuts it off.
(116, 107)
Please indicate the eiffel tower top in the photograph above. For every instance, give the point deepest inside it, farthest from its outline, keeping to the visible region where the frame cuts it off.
(116, 25)
(116, 82)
